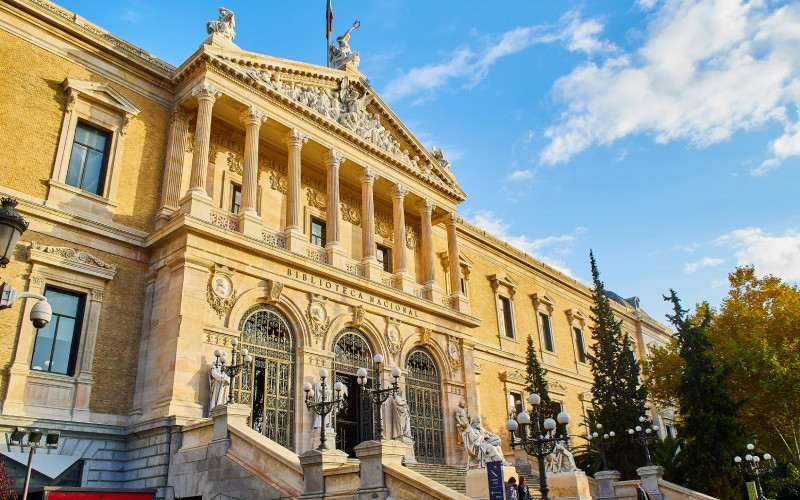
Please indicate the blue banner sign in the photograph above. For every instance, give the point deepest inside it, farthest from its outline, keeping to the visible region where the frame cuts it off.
(494, 471)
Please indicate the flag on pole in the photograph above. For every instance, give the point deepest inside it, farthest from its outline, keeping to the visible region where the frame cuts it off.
(328, 29)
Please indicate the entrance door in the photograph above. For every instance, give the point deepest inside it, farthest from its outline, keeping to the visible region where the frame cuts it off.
(354, 421)
(268, 385)
(425, 407)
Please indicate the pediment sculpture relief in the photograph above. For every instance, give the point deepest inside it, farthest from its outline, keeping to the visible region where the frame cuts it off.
(340, 57)
(222, 26)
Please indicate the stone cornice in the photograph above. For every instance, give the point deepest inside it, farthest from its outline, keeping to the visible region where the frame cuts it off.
(72, 259)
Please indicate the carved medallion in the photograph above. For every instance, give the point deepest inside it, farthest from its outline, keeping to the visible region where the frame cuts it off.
(411, 238)
(220, 293)
(316, 199)
(278, 182)
(453, 353)
(235, 163)
(317, 316)
(351, 214)
(393, 336)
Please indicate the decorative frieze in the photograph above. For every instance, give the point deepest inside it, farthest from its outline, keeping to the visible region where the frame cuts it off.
(71, 258)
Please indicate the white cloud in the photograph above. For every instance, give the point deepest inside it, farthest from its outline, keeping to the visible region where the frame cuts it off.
(521, 175)
(132, 16)
(471, 67)
(702, 263)
(776, 255)
(544, 249)
(706, 70)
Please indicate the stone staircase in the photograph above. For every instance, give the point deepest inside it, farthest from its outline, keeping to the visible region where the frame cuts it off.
(454, 477)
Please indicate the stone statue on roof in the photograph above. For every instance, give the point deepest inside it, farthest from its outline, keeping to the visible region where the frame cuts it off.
(224, 25)
(342, 56)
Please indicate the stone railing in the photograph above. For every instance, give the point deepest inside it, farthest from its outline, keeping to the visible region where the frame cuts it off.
(318, 254)
(225, 220)
(419, 293)
(274, 238)
(447, 301)
(354, 268)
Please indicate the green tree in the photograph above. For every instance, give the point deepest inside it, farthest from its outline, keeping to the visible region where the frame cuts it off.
(536, 382)
(662, 372)
(618, 397)
(708, 422)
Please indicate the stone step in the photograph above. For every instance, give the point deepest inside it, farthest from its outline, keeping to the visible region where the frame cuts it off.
(451, 476)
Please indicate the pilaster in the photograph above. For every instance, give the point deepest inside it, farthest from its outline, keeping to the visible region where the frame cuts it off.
(458, 300)
(173, 165)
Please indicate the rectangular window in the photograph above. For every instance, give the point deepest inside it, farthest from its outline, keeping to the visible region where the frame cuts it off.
(87, 163)
(506, 317)
(317, 232)
(463, 286)
(384, 256)
(579, 345)
(56, 344)
(547, 332)
(236, 198)
(516, 402)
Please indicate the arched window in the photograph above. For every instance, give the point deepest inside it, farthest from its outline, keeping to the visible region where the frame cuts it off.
(354, 421)
(424, 396)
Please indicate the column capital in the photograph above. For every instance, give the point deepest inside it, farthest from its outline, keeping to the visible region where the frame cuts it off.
(207, 92)
(397, 191)
(179, 114)
(295, 138)
(368, 176)
(425, 205)
(333, 157)
(253, 116)
(453, 219)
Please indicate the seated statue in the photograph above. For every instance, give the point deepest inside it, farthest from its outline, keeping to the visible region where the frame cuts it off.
(224, 25)
(560, 460)
(482, 446)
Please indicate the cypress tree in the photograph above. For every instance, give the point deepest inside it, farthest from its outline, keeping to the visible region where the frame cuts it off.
(618, 397)
(708, 422)
(537, 384)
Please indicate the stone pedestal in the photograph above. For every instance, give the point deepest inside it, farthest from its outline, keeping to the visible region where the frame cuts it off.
(433, 292)
(650, 475)
(337, 256)
(521, 462)
(571, 485)
(330, 439)
(250, 224)
(373, 455)
(605, 484)
(411, 457)
(373, 270)
(478, 481)
(296, 240)
(196, 203)
(314, 464)
(228, 414)
(404, 281)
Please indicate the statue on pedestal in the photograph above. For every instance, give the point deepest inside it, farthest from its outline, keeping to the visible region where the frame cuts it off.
(560, 460)
(222, 26)
(341, 56)
(218, 383)
(402, 417)
(482, 446)
(462, 420)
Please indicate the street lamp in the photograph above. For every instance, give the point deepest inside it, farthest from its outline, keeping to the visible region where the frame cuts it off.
(34, 441)
(644, 436)
(12, 225)
(601, 441)
(533, 441)
(323, 407)
(239, 359)
(378, 396)
(753, 467)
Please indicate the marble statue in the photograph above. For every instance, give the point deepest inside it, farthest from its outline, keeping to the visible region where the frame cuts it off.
(224, 25)
(402, 417)
(482, 446)
(462, 420)
(560, 460)
(342, 55)
(218, 382)
(318, 398)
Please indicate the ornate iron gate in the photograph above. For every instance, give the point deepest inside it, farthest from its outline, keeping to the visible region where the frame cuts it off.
(354, 421)
(424, 388)
(269, 384)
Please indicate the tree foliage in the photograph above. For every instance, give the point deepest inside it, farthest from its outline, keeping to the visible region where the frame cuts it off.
(707, 412)
(618, 397)
(536, 381)
(6, 483)
(662, 373)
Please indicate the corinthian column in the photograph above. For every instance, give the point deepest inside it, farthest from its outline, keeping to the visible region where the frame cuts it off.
(372, 269)
(432, 290)
(336, 254)
(457, 298)
(173, 166)
(295, 240)
(249, 220)
(402, 278)
(196, 201)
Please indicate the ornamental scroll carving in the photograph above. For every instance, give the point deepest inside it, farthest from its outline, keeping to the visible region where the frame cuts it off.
(351, 214)
(72, 254)
(71, 258)
(235, 163)
(454, 352)
(316, 199)
(358, 316)
(278, 182)
(273, 291)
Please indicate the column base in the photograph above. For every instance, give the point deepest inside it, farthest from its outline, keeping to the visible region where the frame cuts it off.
(605, 484)
(459, 302)
(163, 215)
(295, 240)
(433, 292)
(250, 224)
(337, 256)
(196, 203)
(403, 281)
(330, 439)
(372, 269)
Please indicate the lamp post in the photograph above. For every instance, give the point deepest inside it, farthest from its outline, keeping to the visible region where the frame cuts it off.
(34, 441)
(753, 466)
(533, 441)
(644, 436)
(239, 359)
(378, 396)
(12, 225)
(323, 407)
(601, 442)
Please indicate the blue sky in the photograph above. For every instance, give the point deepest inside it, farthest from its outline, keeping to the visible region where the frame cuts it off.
(663, 134)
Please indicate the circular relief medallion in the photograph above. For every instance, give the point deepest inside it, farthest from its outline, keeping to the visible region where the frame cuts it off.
(393, 334)
(321, 200)
(318, 313)
(222, 286)
(453, 351)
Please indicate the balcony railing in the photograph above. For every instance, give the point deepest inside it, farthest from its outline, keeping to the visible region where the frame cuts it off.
(274, 238)
(225, 220)
(354, 267)
(318, 254)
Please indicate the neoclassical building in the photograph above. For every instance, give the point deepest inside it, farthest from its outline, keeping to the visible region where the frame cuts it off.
(243, 196)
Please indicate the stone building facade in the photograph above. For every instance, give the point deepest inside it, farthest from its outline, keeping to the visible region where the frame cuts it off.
(243, 196)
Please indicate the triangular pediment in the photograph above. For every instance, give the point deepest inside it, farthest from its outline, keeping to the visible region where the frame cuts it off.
(101, 92)
(343, 100)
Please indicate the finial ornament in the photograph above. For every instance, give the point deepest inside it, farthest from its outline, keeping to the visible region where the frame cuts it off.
(224, 25)
(341, 57)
